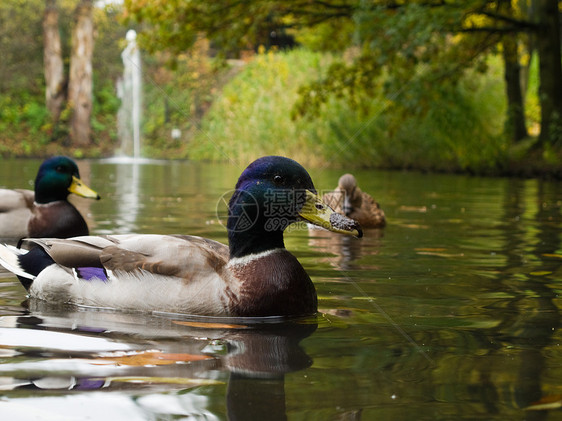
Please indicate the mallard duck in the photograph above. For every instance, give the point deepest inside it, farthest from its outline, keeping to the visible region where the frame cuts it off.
(253, 276)
(46, 212)
(348, 199)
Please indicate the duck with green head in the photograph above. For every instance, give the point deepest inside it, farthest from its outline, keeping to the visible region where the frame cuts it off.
(255, 275)
(46, 212)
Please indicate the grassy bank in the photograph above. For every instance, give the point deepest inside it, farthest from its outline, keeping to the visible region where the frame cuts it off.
(455, 129)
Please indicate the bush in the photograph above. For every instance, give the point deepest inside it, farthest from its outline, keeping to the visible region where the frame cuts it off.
(437, 127)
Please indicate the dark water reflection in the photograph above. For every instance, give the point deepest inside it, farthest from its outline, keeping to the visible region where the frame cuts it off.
(451, 312)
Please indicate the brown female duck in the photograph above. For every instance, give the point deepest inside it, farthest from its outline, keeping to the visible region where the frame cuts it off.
(348, 199)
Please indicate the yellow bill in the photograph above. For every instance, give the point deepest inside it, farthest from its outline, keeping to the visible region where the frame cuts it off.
(318, 213)
(80, 189)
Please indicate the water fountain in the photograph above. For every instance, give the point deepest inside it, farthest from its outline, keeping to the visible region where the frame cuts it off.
(129, 90)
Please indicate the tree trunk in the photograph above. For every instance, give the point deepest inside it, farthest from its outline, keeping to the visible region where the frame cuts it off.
(52, 61)
(550, 71)
(515, 124)
(80, 79)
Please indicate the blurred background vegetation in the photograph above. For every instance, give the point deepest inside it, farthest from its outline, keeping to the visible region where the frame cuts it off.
(374, 84)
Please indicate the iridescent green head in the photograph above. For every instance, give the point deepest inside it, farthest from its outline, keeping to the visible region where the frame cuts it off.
(57, 178)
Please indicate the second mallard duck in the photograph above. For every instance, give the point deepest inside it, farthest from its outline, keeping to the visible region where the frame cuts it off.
(46, 212)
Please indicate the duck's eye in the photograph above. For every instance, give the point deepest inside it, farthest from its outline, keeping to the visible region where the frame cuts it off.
(60, 168)
(319, 206)
(278, 179)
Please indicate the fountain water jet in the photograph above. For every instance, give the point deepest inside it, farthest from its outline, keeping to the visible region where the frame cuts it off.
(129, 90)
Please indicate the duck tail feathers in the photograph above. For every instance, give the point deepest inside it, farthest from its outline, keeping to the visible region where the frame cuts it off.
(10, 259)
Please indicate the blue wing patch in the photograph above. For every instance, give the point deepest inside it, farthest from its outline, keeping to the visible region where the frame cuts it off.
(91, 273)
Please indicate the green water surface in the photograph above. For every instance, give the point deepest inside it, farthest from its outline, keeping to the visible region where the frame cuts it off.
(449, 313)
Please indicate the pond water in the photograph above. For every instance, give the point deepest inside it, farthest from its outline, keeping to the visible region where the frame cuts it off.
(451, 312)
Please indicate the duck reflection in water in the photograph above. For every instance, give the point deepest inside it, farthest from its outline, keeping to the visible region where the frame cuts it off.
(342, 253)
(258, 364)
(256, 354)
(349, 200)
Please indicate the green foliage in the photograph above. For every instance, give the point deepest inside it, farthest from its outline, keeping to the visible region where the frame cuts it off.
(104, 115)
(177, 92)
(330, 36)
(35, 115)
(532, 107)
(415, 43)
(233, 26)
(251, 117)
(20, 45)
(26, 110)
(451, 127)
(359, 83)
(23, 124)
(455, 127)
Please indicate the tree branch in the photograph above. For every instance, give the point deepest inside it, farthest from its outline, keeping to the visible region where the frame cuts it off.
(517, 23)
